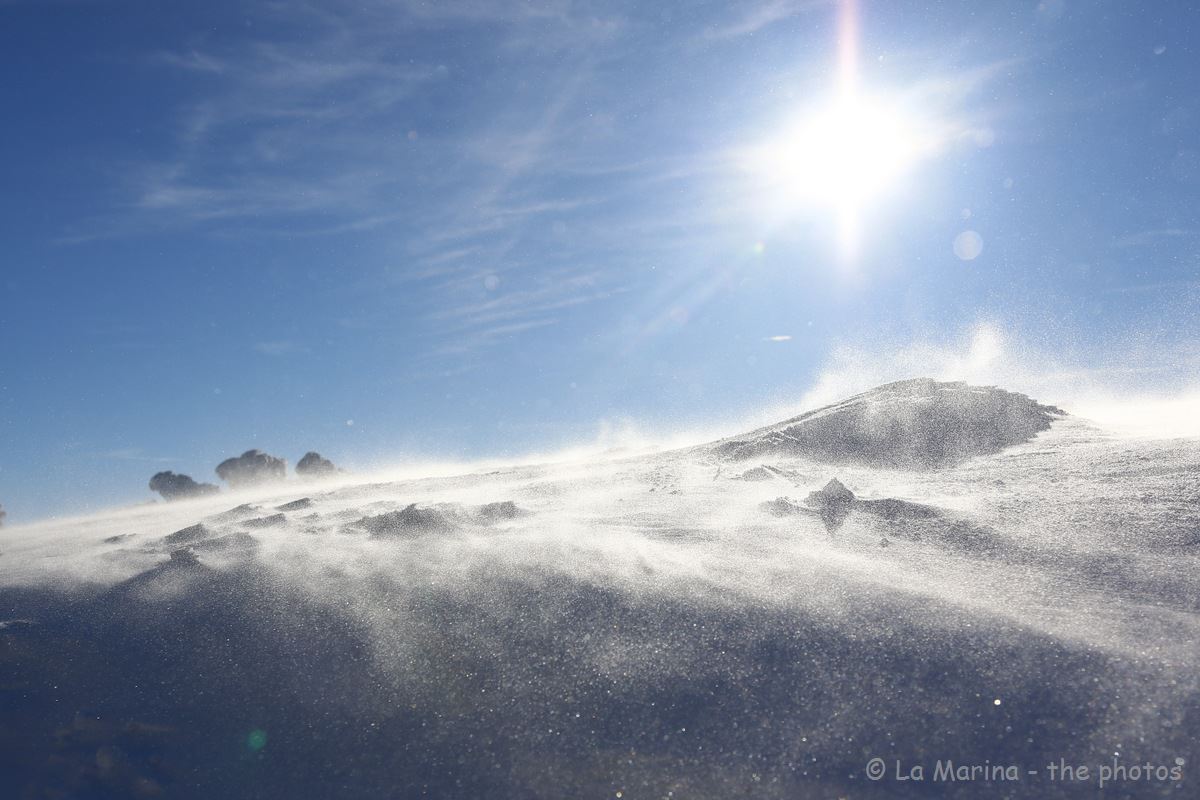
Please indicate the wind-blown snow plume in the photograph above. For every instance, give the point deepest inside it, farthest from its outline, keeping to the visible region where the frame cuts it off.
(677, 623)
(915, 424)
(1157, 398)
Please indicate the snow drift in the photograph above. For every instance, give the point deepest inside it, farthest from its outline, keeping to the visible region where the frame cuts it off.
(666, 625)
(916, 424)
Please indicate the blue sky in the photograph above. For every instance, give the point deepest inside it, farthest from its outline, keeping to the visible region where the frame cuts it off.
(483, 228)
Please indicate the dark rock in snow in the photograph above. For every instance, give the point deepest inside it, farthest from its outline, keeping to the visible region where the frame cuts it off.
(833, 502)
(183, 557)
(173, 486)
(313, 465)
(506, 509)
(833, 493)
(296, 505)
(251, 467)
(410, 521)
(892, 509)
(756, 474)
(188, 535)
(230, 543)
(783, 507)
(236, 513)
(266, 522)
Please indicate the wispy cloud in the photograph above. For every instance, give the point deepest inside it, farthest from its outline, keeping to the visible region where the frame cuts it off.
(327, 134)
(1154, 236)
(761, 16)
(469, 326)
(471, 340)
(278, 347)
(1156, 286)
(519, 161)
(133, 454)
(327, 123)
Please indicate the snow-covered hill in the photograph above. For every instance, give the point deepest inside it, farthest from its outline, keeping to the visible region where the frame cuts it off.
(918, 423)
(697, 623)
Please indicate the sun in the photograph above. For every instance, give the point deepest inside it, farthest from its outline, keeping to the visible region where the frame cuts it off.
(846, 155)
(842, 158)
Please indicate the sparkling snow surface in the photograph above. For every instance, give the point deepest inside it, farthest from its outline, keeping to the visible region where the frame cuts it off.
(670, 625)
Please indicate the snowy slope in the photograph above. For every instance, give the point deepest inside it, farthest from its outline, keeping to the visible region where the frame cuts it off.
(683, 624)
(915, 423)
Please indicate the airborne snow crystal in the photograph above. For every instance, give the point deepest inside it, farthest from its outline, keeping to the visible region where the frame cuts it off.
(563, 620)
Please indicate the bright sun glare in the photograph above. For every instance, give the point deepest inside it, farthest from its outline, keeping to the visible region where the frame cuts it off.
(842, 158)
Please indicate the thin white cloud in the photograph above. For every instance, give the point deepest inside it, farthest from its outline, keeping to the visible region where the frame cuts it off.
(192, 60)
(133, 454)
(469, 326)
(319, 128)
(278, 347)
(762, 16)
(1154, 236)
(322, 136)
(1157, 286)
(470, 341)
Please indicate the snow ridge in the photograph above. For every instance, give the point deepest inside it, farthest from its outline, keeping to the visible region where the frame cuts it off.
(913, 424)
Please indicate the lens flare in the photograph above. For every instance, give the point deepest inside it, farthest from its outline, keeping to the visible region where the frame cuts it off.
(844, 155)
(256, 740)
(843, 158)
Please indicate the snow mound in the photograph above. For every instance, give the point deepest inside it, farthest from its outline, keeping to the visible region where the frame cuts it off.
(409, 521)
(402, 638)
(913, 424)
(502, 510)
(296, 505)
(189, 535)
(756, 474)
